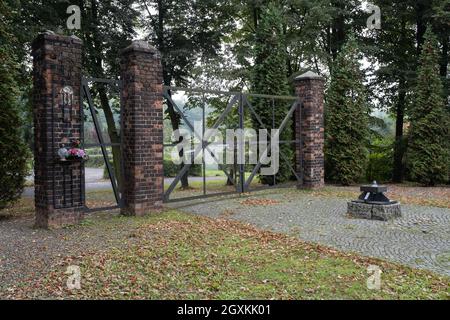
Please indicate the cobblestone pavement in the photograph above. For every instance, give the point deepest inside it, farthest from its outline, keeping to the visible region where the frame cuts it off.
(420, 238)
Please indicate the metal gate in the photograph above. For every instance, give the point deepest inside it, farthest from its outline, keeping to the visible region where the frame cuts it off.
(242, 103)
(90, 110)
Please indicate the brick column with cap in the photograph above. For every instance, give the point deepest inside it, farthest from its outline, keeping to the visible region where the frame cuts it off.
(309, 127)
(142, 128)
(57, 113)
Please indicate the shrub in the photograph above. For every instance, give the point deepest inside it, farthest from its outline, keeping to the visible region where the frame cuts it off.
(14, 153)
(346, 118)
(428, 152)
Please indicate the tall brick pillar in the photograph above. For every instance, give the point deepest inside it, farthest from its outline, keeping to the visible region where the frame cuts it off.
(142, 128)
(57, 113)
(309, 124)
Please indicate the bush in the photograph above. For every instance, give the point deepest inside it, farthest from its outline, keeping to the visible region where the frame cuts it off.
(428, 153)
(346, 118)
(380, 162)
(14, 153)
(379, 167)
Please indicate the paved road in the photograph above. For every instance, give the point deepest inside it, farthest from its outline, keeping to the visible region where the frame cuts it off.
(421, 238)
(95, 182)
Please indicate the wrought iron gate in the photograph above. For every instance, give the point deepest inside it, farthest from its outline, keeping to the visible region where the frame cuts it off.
(89, 104)
(242, 102)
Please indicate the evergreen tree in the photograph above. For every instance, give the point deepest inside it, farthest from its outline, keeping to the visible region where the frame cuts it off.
(269, 77)
(13, 151)
(428, 139)
(346, 118)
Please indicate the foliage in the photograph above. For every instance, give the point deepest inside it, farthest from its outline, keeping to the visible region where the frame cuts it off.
(184, 32)
(200, 40)
(13, 151)
(346, 119)
(379, 167)
(428, 148)
(269, 77)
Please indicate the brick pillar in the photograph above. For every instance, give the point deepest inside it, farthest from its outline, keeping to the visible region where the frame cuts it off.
(142, 128)
(57, 114)
(309, 87)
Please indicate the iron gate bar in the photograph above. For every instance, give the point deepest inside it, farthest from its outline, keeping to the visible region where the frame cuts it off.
(243, 101)
(269, 96)
(100, 138)
(284, 142)
(283, 124)
(203, 148)
(198, 90)
(185, 169)
(197, 150)
(241, 166)
(208, 195)
(229, 93)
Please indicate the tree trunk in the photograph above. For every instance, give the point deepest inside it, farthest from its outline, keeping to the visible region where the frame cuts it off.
(399, 149)
(422, 20)
(173, 115)
(175, 122)
(113, 135)
(338, 33)
(229, 181)
(444, 66)
(445, 58)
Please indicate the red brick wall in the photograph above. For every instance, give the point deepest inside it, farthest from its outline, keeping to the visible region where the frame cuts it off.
(58, 187)
(310, 127)
(142, 128)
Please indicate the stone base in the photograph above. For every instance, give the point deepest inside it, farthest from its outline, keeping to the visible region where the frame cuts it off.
(58, 218)
(141, 209)
(383, 212)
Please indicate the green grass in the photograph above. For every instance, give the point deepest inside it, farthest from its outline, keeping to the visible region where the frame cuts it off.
(24, 207)
(180, 256)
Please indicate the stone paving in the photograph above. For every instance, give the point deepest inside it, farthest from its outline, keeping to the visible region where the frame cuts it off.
(420, 238)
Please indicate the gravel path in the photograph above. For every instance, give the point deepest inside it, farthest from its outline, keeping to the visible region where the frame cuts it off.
(421, 238)
(26, 252)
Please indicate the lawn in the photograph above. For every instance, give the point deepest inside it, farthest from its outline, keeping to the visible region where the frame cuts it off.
(180, 256)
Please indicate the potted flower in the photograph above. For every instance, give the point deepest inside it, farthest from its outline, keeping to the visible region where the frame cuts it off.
(73, 153)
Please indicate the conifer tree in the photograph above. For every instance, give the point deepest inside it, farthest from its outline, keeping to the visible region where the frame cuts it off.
(427, 155)
(269, 77)
(346, 118)
(13, 151)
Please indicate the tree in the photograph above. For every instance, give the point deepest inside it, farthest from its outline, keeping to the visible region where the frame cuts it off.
(269, 77)
(13, 151)
(428, 140)
(346, 118)
(106, 28)
(393, 48)
(184, 32)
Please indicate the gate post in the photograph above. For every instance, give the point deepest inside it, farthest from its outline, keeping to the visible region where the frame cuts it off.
(142, 128)
(57, 113)
(309, 129)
